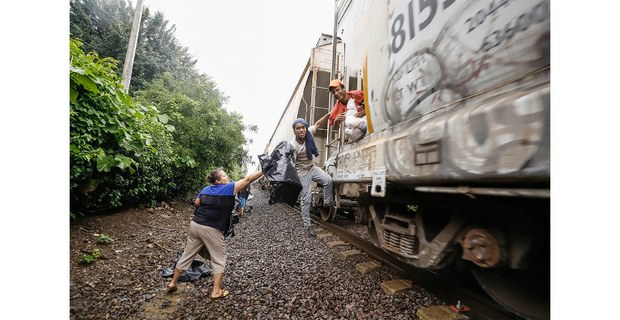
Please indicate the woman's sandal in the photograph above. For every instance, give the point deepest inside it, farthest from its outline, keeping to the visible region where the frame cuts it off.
(223, 293)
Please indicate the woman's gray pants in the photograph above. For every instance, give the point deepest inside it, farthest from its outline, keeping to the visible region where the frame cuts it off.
(322, 178)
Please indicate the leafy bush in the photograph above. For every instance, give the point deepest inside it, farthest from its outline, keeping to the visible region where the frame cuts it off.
(120, 151)
(127, 152)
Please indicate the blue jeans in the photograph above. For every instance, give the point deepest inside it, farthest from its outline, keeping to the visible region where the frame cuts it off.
(318, 175)
(242, 202)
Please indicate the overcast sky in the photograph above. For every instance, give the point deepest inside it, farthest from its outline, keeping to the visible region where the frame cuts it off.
(254, 50)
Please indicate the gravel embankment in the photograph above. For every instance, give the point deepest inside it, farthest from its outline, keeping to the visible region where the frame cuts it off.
(275, 270)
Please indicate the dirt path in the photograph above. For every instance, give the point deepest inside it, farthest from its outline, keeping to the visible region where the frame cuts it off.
(124, 281)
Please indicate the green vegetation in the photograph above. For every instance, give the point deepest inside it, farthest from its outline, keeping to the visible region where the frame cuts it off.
(105, 25)
(90, 258)
(113, 141)
(159, 140)
(204, 132)
(104, 239)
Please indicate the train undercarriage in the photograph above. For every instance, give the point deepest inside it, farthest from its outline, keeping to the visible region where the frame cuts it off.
(503, 241)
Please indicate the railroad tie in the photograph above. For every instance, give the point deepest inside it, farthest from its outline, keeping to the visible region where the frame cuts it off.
(337, 243)
(439, 313)
(393, 287)
(367, 266)
(324, 235)
(344, 255)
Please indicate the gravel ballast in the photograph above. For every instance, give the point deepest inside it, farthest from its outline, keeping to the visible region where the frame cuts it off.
(275, 270)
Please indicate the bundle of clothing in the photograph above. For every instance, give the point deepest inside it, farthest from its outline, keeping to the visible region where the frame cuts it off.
(355, 128)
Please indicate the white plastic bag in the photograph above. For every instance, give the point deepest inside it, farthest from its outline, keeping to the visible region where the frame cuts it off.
(355, 128)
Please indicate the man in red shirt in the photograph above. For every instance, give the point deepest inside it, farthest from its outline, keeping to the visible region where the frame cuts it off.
(337, 114)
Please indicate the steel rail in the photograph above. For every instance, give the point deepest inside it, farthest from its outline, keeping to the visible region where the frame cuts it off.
(482, 307)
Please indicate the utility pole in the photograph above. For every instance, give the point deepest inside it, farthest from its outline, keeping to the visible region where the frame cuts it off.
(131, 47)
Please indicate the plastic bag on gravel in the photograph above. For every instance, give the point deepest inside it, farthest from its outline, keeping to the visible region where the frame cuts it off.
(196, 271)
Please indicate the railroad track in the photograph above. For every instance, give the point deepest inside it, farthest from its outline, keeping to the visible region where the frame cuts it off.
(453, 290)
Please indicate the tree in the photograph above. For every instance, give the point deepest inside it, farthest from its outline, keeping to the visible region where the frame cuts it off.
(104, 26)
(204, 130)
(164, 140)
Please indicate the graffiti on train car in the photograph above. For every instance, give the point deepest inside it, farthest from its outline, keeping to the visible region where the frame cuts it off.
(356, 164)
(484, 136)
(433, 71)
(500, 136)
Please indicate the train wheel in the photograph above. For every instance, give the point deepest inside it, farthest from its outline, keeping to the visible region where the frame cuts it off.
(361, 215)
(372, 229)
(523, 293)
(328, 214)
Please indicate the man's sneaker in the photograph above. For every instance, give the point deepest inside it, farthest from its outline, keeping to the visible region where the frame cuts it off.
(311, 232)
(329, 204)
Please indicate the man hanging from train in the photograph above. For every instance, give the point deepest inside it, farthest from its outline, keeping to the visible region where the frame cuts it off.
(349, 107)
(305, 149)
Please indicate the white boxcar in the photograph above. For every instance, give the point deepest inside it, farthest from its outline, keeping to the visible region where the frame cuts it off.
(455, 167)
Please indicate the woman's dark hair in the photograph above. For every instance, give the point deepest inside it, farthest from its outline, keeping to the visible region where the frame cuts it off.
(214, 175)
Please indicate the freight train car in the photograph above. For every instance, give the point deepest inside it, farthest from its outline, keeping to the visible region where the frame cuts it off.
(455, 166)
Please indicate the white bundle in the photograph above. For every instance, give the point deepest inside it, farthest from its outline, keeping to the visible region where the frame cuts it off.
(355, 128)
